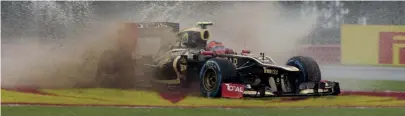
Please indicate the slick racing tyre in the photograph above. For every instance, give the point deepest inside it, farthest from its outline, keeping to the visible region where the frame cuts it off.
(213, 73)
(309, 69)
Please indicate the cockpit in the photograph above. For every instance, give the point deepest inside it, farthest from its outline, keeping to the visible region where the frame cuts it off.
(195, 37)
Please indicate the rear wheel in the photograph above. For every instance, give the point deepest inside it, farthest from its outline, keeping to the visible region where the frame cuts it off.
(213, 73)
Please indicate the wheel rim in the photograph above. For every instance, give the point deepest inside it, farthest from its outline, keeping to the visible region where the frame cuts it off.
(302, 73)
(210, 80)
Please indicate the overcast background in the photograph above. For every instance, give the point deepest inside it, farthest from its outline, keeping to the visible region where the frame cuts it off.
(56, 20)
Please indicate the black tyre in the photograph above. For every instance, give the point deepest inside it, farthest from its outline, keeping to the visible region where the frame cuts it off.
(213, 73)
(309, 69)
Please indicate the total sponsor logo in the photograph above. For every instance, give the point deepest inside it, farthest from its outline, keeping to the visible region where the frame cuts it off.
(233, 88)
(230, 90)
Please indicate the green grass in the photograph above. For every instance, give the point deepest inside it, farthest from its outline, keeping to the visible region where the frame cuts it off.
(125, 97)
(128, 97)
(371, 85)
(144, 98)
(109, 111)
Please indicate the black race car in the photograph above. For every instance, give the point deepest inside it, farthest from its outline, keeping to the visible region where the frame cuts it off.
(187, 59)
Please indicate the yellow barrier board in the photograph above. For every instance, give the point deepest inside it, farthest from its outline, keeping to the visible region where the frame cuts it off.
(373, 45)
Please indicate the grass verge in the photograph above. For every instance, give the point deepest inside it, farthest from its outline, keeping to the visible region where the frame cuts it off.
(371, 85)
(141, 98)
(98, 96)
(109, 111)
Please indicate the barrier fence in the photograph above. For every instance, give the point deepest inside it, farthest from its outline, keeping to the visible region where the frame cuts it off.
(363, 45)
(373, 45)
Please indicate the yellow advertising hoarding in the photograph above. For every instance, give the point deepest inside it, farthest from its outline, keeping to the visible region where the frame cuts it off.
(373, 45)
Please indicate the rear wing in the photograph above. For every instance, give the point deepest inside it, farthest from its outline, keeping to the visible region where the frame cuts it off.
(156, 37)
(157, 29)
(155, 25)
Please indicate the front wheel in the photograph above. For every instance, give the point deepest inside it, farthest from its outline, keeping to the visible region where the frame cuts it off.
(309, 69)
(213, 73)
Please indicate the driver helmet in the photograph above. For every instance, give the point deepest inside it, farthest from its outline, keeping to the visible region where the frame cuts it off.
(193, 39)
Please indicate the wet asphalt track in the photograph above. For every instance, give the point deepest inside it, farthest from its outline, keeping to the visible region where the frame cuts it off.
(362, 72)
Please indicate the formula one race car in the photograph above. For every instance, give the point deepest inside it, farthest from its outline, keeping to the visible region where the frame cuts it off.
(222, 72)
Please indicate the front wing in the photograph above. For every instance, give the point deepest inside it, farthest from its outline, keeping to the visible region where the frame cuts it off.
(322, 88)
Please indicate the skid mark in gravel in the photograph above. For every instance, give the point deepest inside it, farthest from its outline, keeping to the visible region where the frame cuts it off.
(146, 106)
(398, 95)
(39, 92)
(128, 98)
